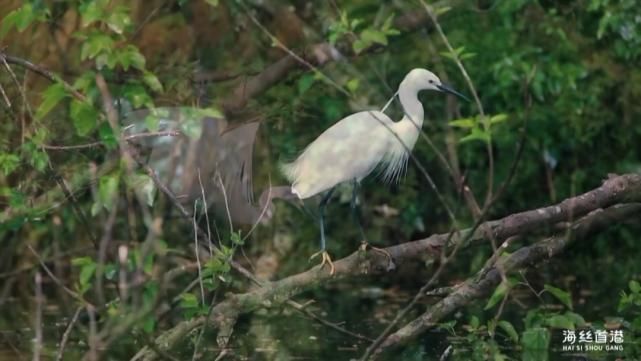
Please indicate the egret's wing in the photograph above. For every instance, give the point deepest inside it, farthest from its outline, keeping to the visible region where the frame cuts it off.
(350, 149)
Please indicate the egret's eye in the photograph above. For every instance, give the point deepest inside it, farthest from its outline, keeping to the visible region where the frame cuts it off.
(431, 81)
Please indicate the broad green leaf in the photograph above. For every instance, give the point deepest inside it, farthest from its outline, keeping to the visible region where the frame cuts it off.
(119, 20)
(305, 82)
(152, 81)
(91, 12)
(84, 117)
(8, 163)
(137, 95)
(476, 134)
(372, 36)
(188, 300)
(560, 321)
(236, 238)
(359, 45)
(86, 80)
(8, 22)
(509, 329)
(108, 190)
(536, 342)
(561, 295)
(146, 185)
(106, 135)
(635, 287)
(24, 17)
(474, 322)
(577, 319)
(95, 44)
(152, 121)
(212, 2)
(81, 261)
(352, 85)
(149, 324)
(50, 98)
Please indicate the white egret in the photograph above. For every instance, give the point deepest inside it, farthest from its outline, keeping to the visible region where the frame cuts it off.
(353, 147)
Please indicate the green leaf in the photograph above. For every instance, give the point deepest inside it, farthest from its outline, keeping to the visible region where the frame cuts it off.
(90, 12)
(96, 44)
(84, 117)
(81, 261)
(500, 292)
(463, 123)
(212, 2)
(106, 135)
(149, 324)
(499, 118)
(152, 81)
(24, 17)
(191, 127)
(137, 95)
(146, 185)
(8, 163)
(119, 20)
(236, 238)
(352, 85)
(132, 56)
(50, 98)
(359, 45)
(536, 342)
(188, 300)
(474, 322)
(635, 287)
(305, 82)
(8, 22)
(561, 295)
(372, 36)
(108, 190)
(560, 321)
(575, 318)
(476, 134)
(87, 271)
(510, 330)
(211, 112)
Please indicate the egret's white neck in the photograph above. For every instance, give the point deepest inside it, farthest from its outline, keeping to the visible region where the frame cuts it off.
(412, 107)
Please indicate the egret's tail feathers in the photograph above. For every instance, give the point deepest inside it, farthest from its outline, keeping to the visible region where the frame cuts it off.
(290, 170)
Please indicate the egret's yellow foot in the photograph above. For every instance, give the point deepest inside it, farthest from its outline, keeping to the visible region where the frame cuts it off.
(390, 261)
(326, 259)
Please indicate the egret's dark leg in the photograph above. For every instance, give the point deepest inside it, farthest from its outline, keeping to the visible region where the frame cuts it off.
(356, 210)
(356, 214)
(321, 211)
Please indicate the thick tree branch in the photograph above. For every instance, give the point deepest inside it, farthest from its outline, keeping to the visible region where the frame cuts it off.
(618, 189)
(475, 287)
(317, 55)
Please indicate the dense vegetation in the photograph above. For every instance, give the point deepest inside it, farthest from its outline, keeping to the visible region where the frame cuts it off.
(91, 241)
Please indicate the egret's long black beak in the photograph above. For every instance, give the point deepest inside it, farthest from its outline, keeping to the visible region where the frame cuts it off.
(446, 89)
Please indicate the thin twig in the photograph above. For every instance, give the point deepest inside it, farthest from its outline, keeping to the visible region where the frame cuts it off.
(37, 344)
(65, 335)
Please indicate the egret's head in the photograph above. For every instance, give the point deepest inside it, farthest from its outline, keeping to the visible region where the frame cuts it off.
(423, 79)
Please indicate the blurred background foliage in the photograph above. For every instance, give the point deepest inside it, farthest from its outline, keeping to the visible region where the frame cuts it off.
(567, 72)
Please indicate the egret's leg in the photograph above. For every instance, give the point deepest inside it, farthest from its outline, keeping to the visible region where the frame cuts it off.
(356, 210)
(321, 210)
(356, 214)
